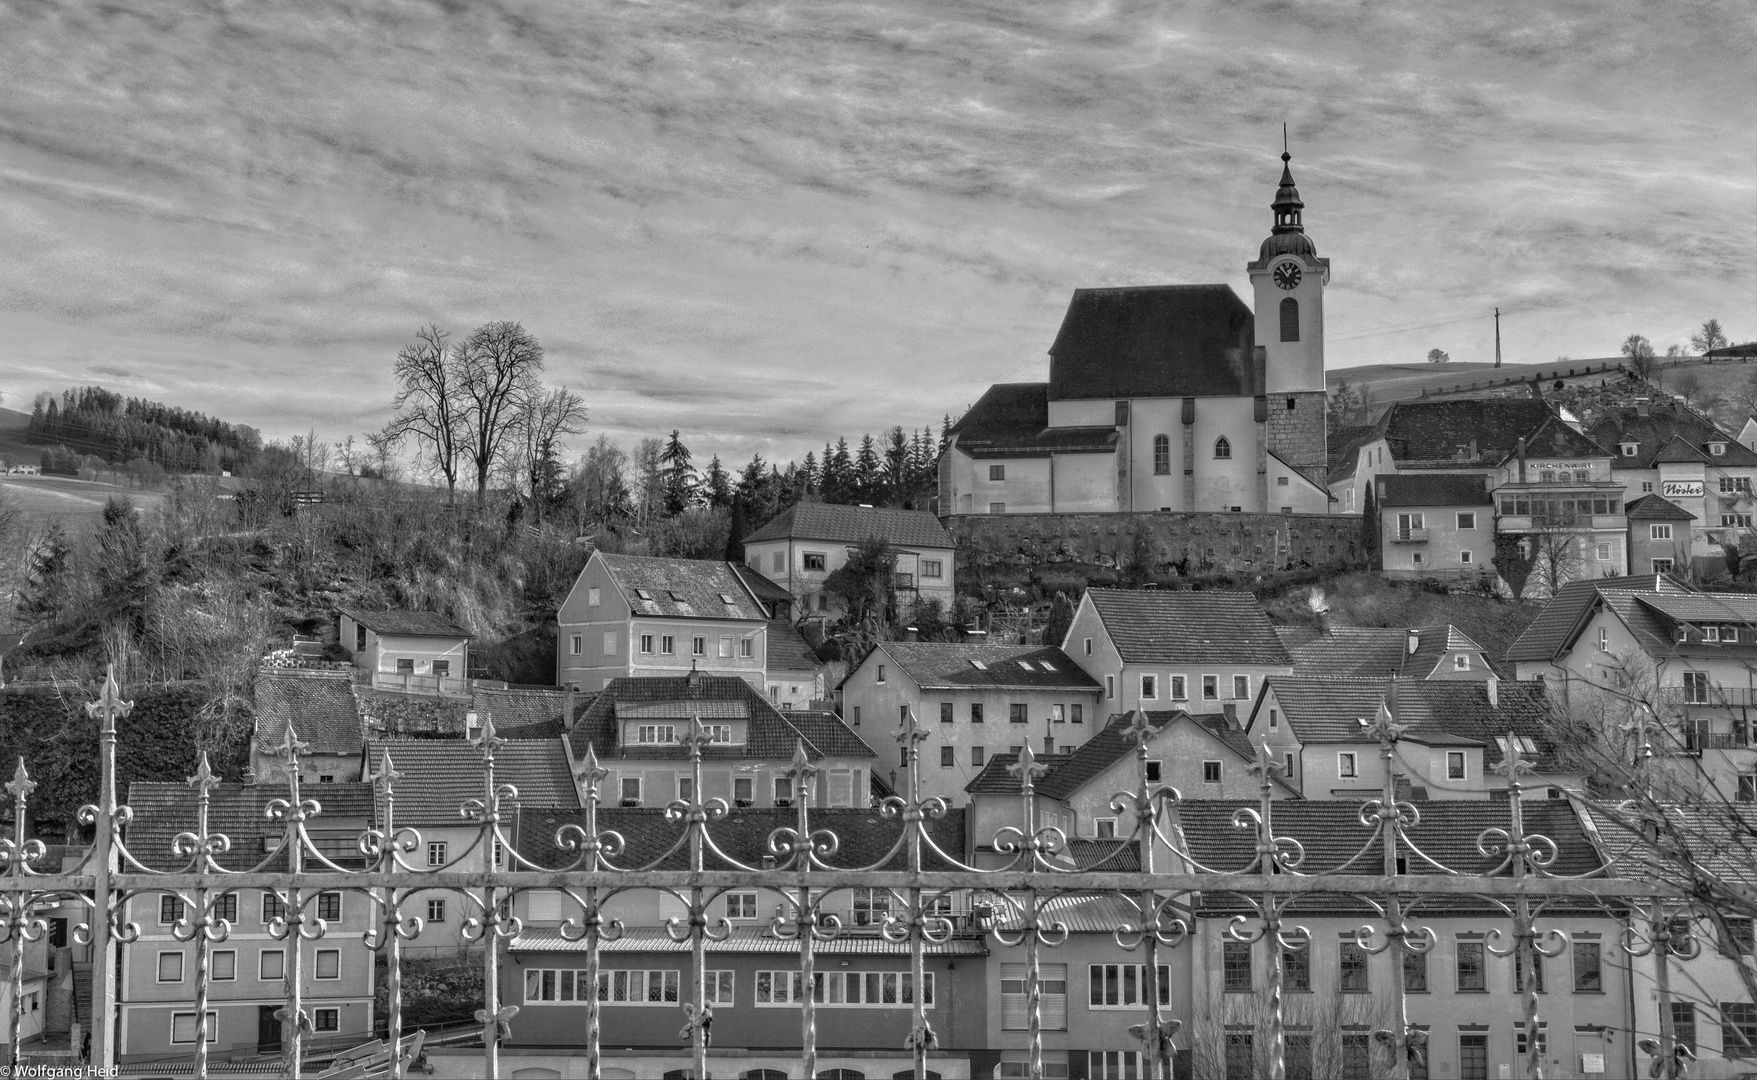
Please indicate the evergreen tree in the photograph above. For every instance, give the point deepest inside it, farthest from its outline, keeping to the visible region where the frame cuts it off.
(718, 485)
(121, 572)
(47, 580)
(735, 534)
(838, 481)
(945, 432)
(678, 480)
(808, 477)
(896, 469)
(1369, 529)
(869, 481)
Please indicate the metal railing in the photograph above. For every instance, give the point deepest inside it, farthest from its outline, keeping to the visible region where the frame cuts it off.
(1518, 887)
(1712, 697)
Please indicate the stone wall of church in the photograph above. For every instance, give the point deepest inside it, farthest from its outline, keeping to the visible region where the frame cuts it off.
(1176, 544)
(1297, 434)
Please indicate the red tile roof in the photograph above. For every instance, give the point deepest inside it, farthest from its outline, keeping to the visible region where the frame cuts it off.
(440, 775)
(320, 705)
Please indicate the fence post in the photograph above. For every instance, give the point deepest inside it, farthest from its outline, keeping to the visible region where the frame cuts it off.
(105, 916)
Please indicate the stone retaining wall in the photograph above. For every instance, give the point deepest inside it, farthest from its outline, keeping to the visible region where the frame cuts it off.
(1173, 544)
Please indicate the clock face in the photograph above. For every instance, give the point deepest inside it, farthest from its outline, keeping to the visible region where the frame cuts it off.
(1287, 275)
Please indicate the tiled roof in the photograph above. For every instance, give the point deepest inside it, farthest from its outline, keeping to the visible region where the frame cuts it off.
(162, 810)
(385, 712)
(994, 779)
(1292, 637)
(523, 714)
(1461, 708)
(1432, 489)
(440, 775)
(1087, 914)
(826, 731)
(1217, 725)
(742, 835)
(1555, 438)
(1162, 626)
(1704, 607)
(1011, 420)
(1353, 652)
(1553, 631)
(1716, 836)
(770, 734)
(320, 705)
(682, 588)
(761, 587)
(952, 666)
(851, 524)
(1331, 833)
(1679, 452)
(1446, 429)
(1432, 645)
(1154, 342)
(1070, 772)
(406, 623)
(1654, 508)
(1327, 710)
(742, 940)
(789, 651)
(1654, 433)
(1121, 856)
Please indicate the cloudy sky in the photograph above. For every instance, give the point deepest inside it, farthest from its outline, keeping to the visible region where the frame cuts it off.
(768, 224)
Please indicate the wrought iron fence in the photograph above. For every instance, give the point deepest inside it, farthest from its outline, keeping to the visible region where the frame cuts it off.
(1521, 885)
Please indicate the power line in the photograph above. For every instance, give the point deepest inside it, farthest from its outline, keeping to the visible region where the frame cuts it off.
(1405, 327)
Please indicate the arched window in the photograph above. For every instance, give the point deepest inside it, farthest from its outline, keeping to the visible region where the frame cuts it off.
(1222, 448)
(1161, 454)
(1290, 319)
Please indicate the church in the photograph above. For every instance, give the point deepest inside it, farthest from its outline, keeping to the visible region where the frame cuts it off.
(1165, 398)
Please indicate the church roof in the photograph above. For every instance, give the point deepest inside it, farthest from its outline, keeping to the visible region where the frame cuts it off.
(1154, 341)
(1011, 420)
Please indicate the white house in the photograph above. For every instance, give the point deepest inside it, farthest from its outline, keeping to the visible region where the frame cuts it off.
(419, 651)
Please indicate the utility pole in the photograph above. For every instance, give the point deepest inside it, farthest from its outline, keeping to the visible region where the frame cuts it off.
(1497, 337)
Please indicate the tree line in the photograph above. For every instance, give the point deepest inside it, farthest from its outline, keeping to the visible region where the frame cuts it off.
(92, 420)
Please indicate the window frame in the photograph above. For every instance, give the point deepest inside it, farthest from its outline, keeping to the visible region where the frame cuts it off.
(1223, 449)
(1347, 765)
(1212, 766)
(159, 966)
(317, 958)
(213, 1027)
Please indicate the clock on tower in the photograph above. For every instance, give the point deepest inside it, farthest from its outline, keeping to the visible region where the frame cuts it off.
(1287, 275)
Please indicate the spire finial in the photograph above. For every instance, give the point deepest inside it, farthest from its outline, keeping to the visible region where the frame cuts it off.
(1285, 156)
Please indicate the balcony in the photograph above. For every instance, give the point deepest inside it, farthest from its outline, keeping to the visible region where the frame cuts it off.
(1524, 523)
(1714, 697)
(1408, 536)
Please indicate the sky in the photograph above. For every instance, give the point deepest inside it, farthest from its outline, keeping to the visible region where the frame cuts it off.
(770, 224)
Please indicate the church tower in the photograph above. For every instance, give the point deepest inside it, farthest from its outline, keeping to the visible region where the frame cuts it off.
(1288, 280)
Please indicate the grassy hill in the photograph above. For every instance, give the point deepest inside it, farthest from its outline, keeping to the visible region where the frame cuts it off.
(1401, 382)
(12, 444)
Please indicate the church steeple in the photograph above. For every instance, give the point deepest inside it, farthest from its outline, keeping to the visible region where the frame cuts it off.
(1287, 205)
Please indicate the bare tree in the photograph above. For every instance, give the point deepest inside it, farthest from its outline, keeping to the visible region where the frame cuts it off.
(492, 371)
(1709, 337)
(1559, 555)
(427, 406)
(543, 419)
(649, 474)
(1640, 354)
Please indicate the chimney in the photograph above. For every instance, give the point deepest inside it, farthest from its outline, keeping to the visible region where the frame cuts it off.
(567, 707)
(1413, 643)
(1642, 408)
(249, 777)
(1492, 688)
(1521, 453)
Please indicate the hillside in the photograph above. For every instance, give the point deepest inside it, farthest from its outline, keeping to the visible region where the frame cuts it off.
(12, 445)
(1402, 382)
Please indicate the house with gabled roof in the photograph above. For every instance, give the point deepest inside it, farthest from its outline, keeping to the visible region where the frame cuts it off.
(807, 542)
(1456, 735)
(793, 673)
(1653, 653)
(1668, 449)
(1420, 652)
(1463, 994)
(1152, 649)
(1436, 525)
(413, 651)
(629, 616)
(1661, 536)
(972, 701)
(1165, 397)
(634, 727)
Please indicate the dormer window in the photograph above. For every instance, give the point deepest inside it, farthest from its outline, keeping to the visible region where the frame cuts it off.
(1729, 635)
(643, 594)
(1711, 633)
(1629, 448)
(1718, 449)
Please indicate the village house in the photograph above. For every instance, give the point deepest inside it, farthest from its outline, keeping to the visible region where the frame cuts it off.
(794, 674)
(1467, 999)
(972, 701)
(809, 541)
(629, 616)
(1436, 526)
(635, 727)
(1420, 652)
(413, 651)
(247, 971)
(1661, 538)
(1165, 397)
(1152, 649)
(1677, 664)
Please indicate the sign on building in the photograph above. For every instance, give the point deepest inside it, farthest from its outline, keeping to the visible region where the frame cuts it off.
(1681, 489)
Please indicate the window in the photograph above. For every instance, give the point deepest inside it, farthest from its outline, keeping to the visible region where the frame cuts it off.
(1210, 772)
(226, 907)
(1473, 1057)
(1684, 1023)
(592, 597)
(698, 646)
(574, 646)
(881, 673)
(1088, 646)
(1104, 828)
(436, 853)
(1288, 761)
(1738, 1029)
(1076, 713)
(1711, 633)
(1122, 986)
(976, 712)
(1016, 1064)
(1471, 975)
(326, 1019)
(1543, 1038)
(1696, 687)
(1353, 971)
(329, 964)
(170, 910)
(685, 790)
(436, 909)
(1466, 520)
(1660, 532)
(1222, 448)
(1588, 968)
(630, 987)
(1110, 1065)
(1739, 934)
(1058, 714)
(647, 643)
(1235, 966)
(1016, 712)
(871, 906)
(1122, 414)
(183, 1027)
(856, 716)
(948, 756)
(271, 965)
(1179, 687)
(718, 988)
(1346, 765)
(1161, 454)
(1241, 687)
(1729, 634)
(932, 568)
(1466, 556)
(170, 967)
(631, 791)
(1455, 765)
(1149, 687)
(1153, 772)
(1289, 319)
(273, 907)
(655, 734)
(1210, 688)
(976, 757)
(1110, 688)
(1415, 972)
(1461, 662)
(1661, 566)
(667, 645)
(1241, 1053)
(1647, 487)
(741, 905)
(1296, 968)
(1602, 553)
(997, 472)
(997, 507)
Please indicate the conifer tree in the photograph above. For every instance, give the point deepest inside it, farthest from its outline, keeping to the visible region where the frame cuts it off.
(869, 483)
(808, 475)
(717, 485)
(678, 479)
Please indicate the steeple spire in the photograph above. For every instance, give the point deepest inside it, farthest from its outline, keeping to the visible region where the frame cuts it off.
(1287, 204)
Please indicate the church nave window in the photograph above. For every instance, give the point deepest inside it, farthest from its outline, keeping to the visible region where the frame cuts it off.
(1290, 319)
(1222, 448)
(1161, 454)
